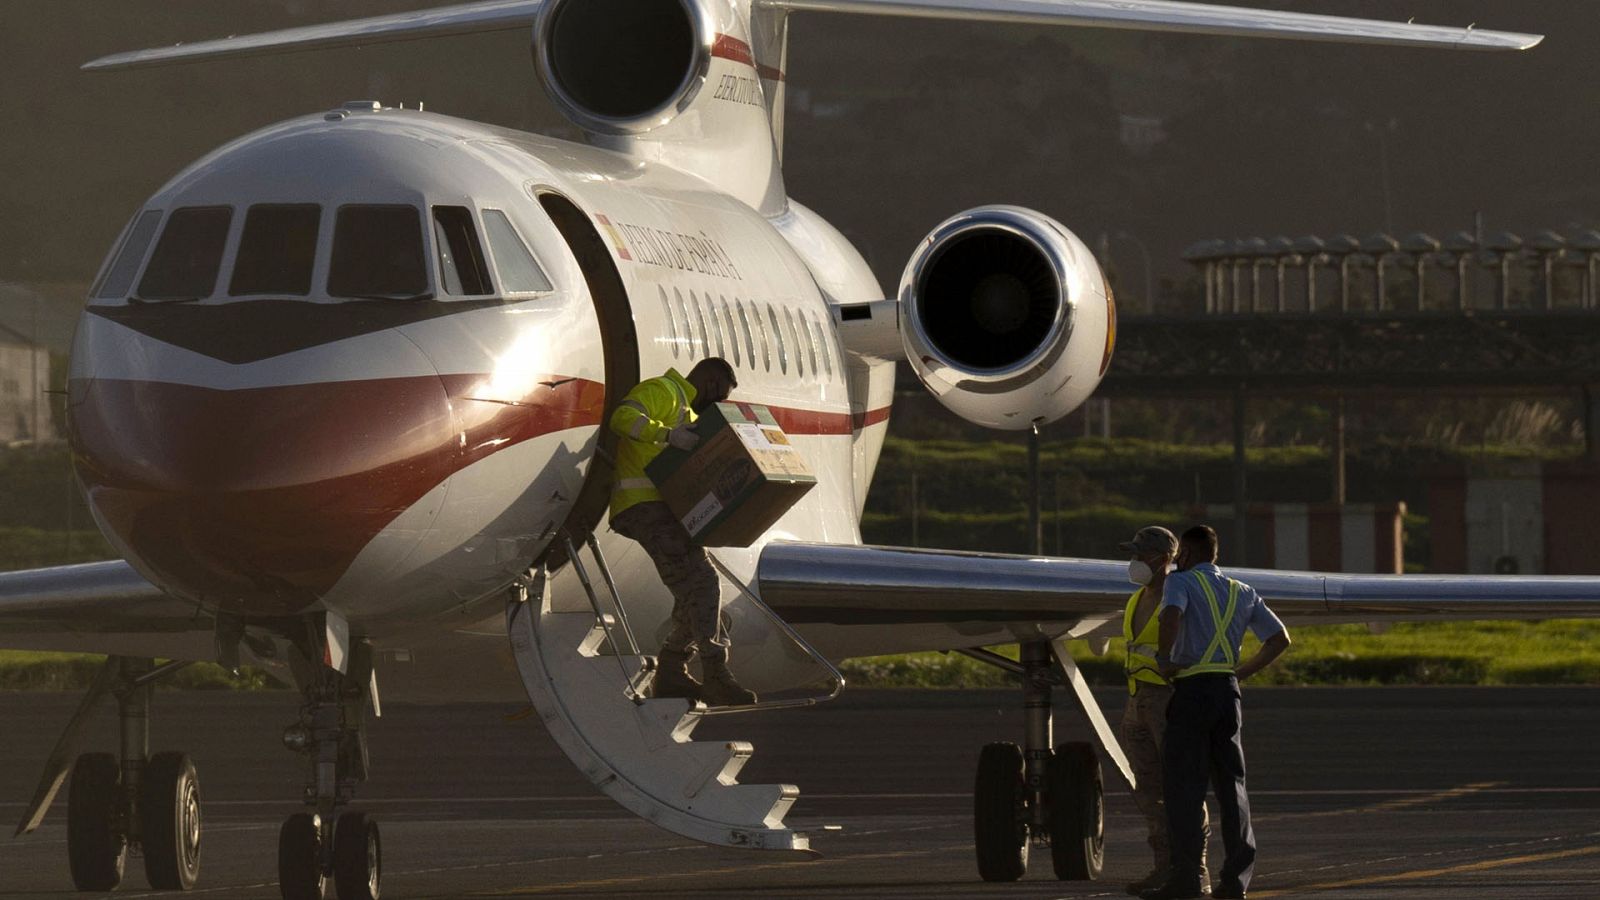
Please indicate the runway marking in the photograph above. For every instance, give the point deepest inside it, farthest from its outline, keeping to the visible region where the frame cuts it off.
(1405, 802)
(726, 870)
(1421, 874)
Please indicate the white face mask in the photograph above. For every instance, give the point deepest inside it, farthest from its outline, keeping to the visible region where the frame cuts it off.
(1139, 572)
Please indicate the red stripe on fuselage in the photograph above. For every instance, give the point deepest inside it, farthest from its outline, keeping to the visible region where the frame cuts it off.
(259, 499)
(810, 421)
(729, 47)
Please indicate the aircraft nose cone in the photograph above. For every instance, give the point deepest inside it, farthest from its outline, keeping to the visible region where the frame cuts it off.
(256, 499)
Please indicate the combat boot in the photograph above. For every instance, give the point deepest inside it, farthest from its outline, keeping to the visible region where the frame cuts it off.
(1157, 877)
(720, 687)
(672, 678)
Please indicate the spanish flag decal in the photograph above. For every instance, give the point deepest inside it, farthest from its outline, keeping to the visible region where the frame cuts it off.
(616, 236)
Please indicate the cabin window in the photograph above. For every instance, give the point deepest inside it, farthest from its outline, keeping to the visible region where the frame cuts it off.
(777, 337)
(688, 325)
(799, 344)
(119, 275)
(733, 334)
(188, 256)
(700, 320)
(822, 344)
(761, 329)
(463, 270)
(709, 307)
(672, 323)
(519, 271)
(685, 330)
(744, 327)
(378, 254)
(277, 250)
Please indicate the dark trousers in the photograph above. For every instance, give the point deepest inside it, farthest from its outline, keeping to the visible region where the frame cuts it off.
(1203, 743)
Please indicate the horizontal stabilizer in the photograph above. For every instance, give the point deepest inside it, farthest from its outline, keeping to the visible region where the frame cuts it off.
(1187, 18)
(470, 18)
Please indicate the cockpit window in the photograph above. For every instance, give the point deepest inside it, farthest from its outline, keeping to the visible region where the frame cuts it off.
(519, 272)
(185, 264)
(119, 276)
(377, 254)
(276, 251)
(463, 271)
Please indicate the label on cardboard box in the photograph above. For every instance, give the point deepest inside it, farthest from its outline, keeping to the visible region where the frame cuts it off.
(702, 514)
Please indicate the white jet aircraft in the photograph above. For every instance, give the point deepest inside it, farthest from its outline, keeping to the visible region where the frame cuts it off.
(338, 399)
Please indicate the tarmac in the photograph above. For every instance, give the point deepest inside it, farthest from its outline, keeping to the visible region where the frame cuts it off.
(1411, 793)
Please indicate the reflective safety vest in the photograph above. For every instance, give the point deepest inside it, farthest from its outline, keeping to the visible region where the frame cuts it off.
(1219, 641)
(1141, 664)
(643, 420)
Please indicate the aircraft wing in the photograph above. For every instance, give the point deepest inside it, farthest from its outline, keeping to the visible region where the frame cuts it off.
(1186, 18)
(1145, 15)
(102, 607)
(469, 18)
(839, 584)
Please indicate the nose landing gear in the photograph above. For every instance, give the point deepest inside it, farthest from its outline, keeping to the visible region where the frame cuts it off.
(321, 845)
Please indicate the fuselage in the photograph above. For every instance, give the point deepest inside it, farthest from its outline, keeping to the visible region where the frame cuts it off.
(350, 362)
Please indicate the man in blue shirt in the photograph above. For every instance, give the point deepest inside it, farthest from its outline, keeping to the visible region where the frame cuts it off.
(1204, 615)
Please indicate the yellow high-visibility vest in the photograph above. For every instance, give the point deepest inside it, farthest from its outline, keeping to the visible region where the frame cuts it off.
(1219, 641)
(1141, 664)
(643, 420)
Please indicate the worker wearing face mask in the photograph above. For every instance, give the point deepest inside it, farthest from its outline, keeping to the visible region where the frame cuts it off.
(1144, 719)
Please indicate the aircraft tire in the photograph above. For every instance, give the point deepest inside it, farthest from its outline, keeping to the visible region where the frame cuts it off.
(300, 875)
(169, 818)
(96, 850)
(1076, 794)
(999, 820)
(357, 858)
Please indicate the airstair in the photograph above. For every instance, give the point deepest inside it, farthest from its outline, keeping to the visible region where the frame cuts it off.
(586, 676)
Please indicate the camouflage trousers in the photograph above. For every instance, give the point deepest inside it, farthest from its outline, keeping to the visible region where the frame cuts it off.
(687, 573)
(1143, 726)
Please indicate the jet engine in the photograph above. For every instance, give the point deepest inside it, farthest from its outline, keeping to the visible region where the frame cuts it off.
(1006, 317)
(622, 66)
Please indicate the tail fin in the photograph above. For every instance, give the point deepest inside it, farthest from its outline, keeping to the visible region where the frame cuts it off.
(1148, 15)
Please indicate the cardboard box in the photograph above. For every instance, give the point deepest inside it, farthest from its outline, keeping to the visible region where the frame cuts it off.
(742, 476)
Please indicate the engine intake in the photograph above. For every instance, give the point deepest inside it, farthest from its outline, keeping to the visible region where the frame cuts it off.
(622, 66)
(1006, 317)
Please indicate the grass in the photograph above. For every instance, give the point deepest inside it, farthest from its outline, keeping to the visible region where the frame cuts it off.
(34, 670)
(1484, 653)
(1555, 652)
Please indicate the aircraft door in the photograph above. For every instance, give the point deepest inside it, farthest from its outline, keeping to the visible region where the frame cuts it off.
(619, 343)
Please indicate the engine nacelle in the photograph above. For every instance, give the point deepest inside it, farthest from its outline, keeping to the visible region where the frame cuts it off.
(1006, 317)
(622, 66)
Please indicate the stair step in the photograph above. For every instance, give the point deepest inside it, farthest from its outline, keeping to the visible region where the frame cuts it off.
(667, 721)
(718, 764)
(640, 752)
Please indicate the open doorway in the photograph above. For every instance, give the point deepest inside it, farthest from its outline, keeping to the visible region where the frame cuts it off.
(619, 343)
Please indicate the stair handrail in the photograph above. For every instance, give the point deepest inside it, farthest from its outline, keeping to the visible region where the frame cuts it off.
(600, 615)
(794, 635)
(616, 595)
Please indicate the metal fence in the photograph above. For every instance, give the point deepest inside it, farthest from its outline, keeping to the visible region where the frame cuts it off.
(1421, 273)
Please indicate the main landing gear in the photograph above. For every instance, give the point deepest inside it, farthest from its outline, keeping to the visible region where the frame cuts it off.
(322, 844)
(128, 801)
(1033, 795)
(131, 800)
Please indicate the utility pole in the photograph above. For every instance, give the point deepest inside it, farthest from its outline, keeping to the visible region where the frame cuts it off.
(1035, 531)
(1338, 449)
(1241, 500)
